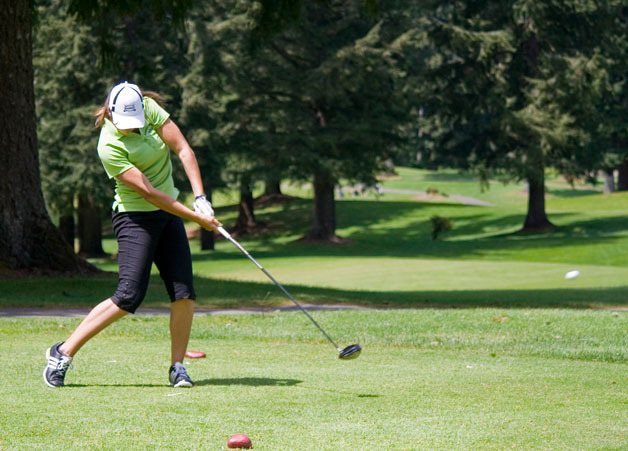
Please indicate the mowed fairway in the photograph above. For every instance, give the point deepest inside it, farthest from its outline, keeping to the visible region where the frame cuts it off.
(472, 341)
(465, 379)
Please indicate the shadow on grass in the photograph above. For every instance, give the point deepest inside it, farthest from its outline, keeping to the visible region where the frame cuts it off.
(403, 229)
(569, 193)
(375, 231)
(116, 385)
(261, 294)
(532, 298)
(250, 381)
(232, 294)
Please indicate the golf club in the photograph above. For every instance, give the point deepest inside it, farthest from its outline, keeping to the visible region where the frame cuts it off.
(347, 353)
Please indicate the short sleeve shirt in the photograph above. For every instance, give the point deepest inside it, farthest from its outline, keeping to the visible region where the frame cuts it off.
(145, 151)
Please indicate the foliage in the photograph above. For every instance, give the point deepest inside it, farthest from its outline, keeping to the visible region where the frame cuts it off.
(18, 250)
(608, 116)
(295, 89)
(440, 225)
(510, 88)
(68, 87)
(319, 97)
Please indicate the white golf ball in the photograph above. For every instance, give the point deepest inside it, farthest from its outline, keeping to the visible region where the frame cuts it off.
(572, 274)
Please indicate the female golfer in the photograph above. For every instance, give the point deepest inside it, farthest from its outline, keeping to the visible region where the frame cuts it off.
(135, 141)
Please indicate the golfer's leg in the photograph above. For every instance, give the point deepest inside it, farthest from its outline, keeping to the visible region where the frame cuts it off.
(181, 315)
(174, 260)
(96, 320)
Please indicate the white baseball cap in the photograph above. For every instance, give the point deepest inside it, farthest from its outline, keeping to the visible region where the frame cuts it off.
(126, 106)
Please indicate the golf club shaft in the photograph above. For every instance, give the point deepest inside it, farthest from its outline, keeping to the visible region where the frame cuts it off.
(228, 236)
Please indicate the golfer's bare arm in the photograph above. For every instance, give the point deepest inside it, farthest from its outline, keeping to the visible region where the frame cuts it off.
(135, 179)
(170, 134)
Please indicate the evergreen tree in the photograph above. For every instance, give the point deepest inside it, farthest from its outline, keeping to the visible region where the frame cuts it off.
(610, 132)
(317, 102)
(28, 239)
(337, 86)
(505, 87)
(68, 87)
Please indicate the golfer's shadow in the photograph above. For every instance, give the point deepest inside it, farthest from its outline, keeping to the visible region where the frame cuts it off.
(250, 381)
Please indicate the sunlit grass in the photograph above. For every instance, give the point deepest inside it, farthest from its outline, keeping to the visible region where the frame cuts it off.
(391, 259)
(473, 341)
(446, 379)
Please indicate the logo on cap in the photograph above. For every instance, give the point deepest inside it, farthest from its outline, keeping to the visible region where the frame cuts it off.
(129, 108)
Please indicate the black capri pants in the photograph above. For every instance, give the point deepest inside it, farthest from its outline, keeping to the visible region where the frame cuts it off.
(143, 238)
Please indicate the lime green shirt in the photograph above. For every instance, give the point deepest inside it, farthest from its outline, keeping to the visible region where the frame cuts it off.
(145, 151)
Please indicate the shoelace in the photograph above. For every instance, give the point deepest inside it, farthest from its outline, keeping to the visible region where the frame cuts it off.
(180, 372)
(61, 364)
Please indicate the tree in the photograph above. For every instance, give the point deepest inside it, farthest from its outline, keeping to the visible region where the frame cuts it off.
(335, 81)
(28, 238)
(68, 87)
(199, 108)
(611, 132)
(496, 87)
(316, 103)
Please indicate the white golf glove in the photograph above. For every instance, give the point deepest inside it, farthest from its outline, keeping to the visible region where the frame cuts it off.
(202, 206)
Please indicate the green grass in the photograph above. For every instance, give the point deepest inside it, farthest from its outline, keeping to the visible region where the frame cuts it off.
(391, 259)
(427, 379)
(476, 341)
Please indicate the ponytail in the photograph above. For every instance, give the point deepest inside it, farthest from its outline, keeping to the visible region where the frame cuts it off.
(102, 113)
(156, 97)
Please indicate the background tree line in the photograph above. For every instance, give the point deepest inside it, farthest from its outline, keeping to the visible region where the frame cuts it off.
(320, 91)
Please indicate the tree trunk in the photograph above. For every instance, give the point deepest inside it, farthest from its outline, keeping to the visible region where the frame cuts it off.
(609, 181)
(89, 227)
(208, 242)
(67, 227)
(28, 239)
(246, 209)
(536, 218)
(324, 221)
(622, 176)
(272, 186)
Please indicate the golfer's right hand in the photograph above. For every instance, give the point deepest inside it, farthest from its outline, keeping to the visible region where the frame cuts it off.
(208, 222)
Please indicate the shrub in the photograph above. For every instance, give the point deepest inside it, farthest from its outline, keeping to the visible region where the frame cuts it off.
(440, 225)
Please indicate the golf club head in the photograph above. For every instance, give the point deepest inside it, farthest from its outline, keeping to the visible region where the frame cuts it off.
(350, 352)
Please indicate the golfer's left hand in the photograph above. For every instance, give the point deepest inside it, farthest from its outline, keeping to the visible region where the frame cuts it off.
(202, 206)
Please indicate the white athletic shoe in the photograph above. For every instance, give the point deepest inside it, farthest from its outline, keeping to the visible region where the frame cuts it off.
(58, 364)
(179, 376)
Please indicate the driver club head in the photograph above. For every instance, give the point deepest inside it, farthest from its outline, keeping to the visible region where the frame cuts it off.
(350, 352)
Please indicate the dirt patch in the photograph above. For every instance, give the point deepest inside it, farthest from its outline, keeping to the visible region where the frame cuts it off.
(384, 177)
(333, 241)
(428, 197)
(274, 199)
